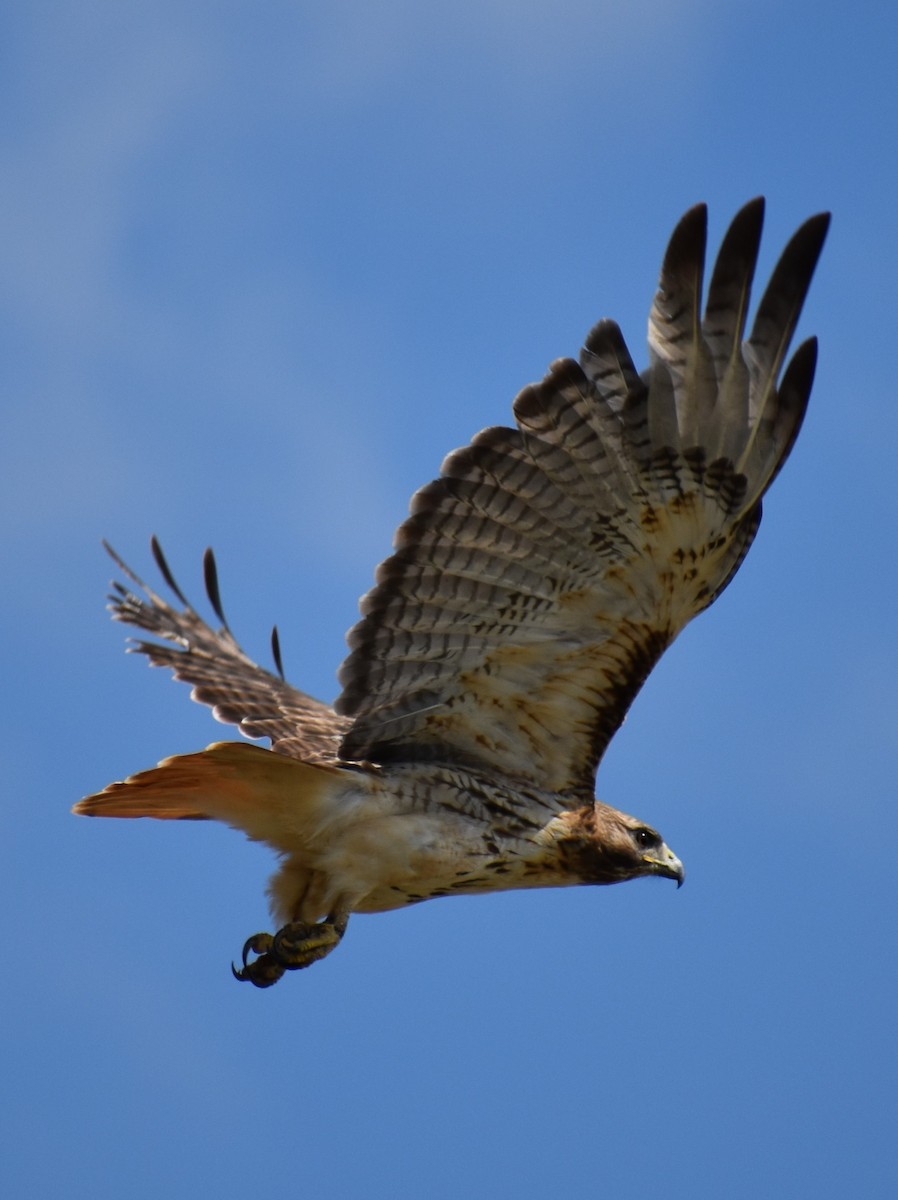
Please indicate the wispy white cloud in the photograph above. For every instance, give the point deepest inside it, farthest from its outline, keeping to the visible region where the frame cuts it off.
(106, 85)
(101, 94)
(113, 105)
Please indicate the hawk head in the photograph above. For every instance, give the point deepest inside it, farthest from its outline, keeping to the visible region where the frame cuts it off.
(599, 844)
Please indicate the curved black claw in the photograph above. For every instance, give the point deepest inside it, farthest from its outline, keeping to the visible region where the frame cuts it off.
(264, 970)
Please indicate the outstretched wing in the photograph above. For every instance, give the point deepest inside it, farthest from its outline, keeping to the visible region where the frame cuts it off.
(539, 579)
(238, 690)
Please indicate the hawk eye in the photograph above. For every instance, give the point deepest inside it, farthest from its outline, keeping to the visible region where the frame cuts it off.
(646, 838)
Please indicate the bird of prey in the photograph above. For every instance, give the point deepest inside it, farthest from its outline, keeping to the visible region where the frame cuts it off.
(532, 589)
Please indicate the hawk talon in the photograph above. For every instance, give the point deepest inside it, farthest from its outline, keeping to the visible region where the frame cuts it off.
(298, 945)
(292, 948)
(262, 971)
(259, 943)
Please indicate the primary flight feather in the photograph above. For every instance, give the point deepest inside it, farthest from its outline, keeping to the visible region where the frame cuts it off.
(533, 587)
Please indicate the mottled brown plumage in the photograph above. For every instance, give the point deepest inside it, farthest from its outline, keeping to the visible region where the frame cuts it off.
(533, 587)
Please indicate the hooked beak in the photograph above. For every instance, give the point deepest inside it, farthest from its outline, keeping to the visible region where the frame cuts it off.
(664, 862)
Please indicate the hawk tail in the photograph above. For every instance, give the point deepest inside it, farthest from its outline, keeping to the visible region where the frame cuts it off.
(268, 796)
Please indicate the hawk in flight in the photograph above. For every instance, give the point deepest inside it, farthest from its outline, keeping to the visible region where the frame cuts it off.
(532, 589)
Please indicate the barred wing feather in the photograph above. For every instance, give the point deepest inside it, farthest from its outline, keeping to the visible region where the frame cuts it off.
(238, 690)
(539, 579)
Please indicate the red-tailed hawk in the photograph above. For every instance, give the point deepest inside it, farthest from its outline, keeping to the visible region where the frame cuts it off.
(532, 589)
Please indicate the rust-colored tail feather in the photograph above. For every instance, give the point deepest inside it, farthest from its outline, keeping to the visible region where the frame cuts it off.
(270, 797)
(164, 792)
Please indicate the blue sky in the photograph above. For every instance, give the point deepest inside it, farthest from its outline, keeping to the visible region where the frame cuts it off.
(262, 267)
